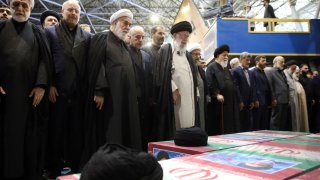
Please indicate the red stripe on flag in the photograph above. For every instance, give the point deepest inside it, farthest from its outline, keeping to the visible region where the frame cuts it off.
(292, 146)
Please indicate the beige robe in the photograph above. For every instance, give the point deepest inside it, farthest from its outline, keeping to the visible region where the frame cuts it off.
(302, 108)
(293, 101)
(182, 79)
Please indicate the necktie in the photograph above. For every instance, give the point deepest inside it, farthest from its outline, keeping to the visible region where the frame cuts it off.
(246, 73)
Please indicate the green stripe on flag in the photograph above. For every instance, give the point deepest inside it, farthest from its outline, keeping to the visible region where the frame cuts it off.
(305, 164)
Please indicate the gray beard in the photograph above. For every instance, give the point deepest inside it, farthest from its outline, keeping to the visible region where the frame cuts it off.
(279, 67)
(20, 18)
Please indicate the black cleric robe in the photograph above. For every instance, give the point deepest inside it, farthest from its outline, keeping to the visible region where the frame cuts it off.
(24, 64)
(153, 87)
(223, 118)
(153, 51)
(144, 78)
(111, 74)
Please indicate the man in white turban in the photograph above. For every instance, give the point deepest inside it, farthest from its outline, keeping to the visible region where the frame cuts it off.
(195, 50)
(113, 114)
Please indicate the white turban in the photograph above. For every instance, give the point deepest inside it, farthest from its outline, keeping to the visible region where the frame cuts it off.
(193, 47)
(234, 61)
(121, 13)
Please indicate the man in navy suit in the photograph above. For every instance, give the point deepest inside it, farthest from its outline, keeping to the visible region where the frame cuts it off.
(260, 112)
(243, 80)
(69, 46)
(280, 95)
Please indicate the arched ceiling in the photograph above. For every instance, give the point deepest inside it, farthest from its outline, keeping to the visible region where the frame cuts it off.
(96, 13)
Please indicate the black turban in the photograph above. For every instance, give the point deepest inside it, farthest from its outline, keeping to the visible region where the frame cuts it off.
(220, 50)
(291, 62)
(181, 26)
(193, 136)
(48, 13)
(114, 162)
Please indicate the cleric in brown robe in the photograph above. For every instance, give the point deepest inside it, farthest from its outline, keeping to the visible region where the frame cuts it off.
(112, 113)
(24, 70)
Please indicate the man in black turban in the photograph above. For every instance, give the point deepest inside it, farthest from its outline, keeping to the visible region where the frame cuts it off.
(181, 26)
(223, 111)
(294, 103)
(114, 162)
(178, 81)
(220, 50)
(49, 18)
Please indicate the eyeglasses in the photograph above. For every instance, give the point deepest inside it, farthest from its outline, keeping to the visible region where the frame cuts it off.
(17, 4)
(125, 23)
(139, 37)
(70, 10)
(196, 54)
(184, 34)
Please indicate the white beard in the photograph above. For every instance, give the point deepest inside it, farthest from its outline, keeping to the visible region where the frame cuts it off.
(119, 33)
(21, 18)
(179, 47)
(295, 76)
(224, 64)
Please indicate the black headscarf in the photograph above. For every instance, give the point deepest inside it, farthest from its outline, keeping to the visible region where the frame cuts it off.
(115, 162)
(192, 136)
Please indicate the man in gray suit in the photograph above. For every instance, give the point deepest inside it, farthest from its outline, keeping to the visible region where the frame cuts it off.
(280, 95)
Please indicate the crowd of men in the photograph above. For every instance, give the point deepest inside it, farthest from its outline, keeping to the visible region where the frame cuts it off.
(65, 91)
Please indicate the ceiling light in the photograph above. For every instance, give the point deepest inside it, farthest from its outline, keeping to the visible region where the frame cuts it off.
(154, 18)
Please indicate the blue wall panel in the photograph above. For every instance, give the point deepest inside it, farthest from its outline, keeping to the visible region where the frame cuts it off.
(235, 34)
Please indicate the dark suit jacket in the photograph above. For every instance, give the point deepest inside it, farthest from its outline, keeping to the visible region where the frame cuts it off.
(307, 85)
(269, 13)
(278, 85)
(148, 72)
(79, 55)
(247, 92)
(262, 87)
